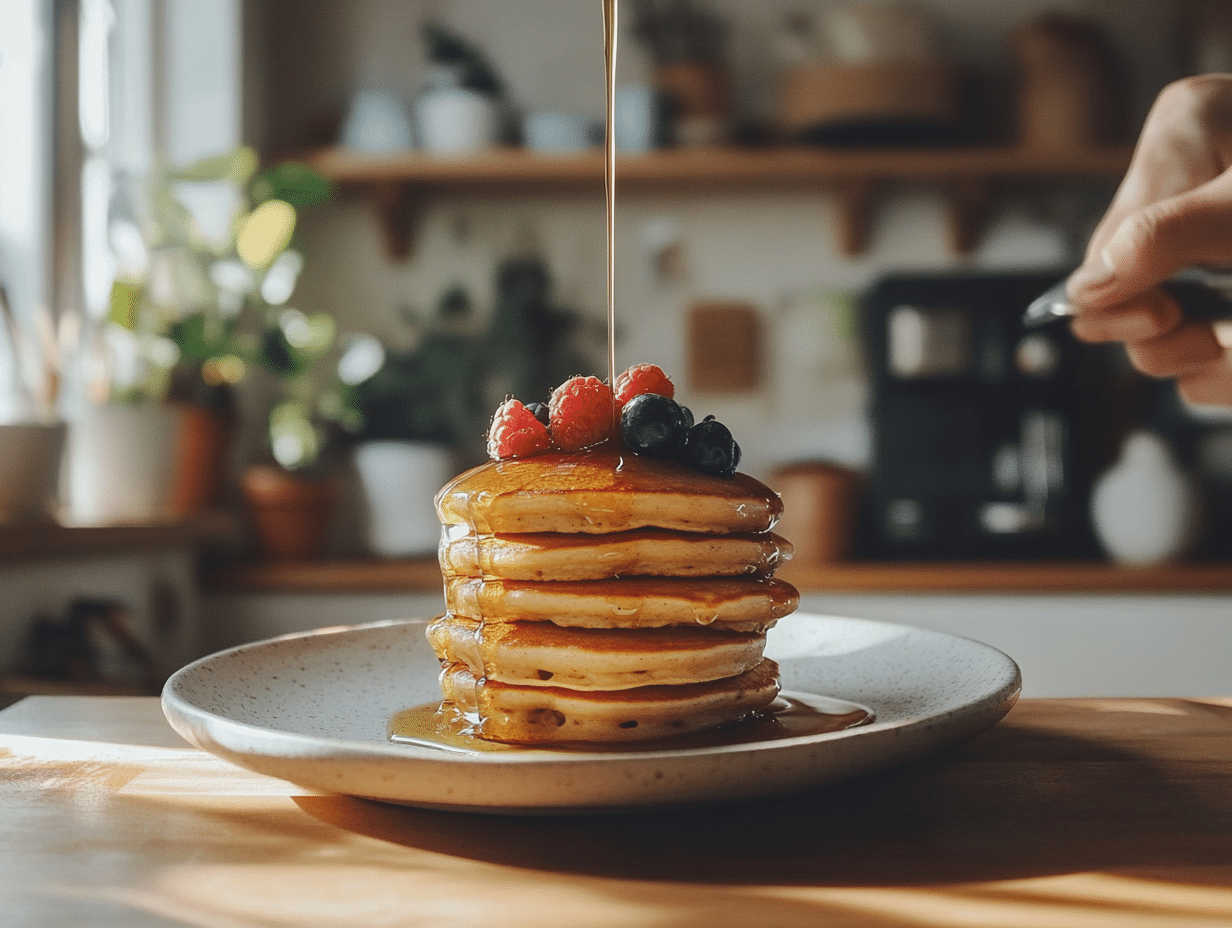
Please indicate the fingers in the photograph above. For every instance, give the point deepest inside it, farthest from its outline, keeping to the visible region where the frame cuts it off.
(1172, 210)
(1160, 343)
(1189, 350)
(1209, 386)
(1153, 243)
(1146, 316)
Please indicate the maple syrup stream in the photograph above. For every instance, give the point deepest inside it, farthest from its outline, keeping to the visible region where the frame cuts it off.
(425, 726)
(611, 22)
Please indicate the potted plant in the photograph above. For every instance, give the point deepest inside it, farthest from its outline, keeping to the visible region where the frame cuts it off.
(291, 496)
(461, 109)
(150, 401)
(201, 304)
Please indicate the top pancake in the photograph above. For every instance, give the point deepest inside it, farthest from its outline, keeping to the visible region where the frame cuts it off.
(598, 491)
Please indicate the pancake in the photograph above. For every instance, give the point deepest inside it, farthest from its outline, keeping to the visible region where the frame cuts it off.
(546, 714)
(606, 596)
(598, 491)
(543, 654)
(751, 604)
(641, 552)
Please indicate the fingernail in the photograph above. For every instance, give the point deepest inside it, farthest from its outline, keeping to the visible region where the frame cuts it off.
(1090, 276)
(1119, 250)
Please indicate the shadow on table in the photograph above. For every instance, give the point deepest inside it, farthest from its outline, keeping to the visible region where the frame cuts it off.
(1016, 802)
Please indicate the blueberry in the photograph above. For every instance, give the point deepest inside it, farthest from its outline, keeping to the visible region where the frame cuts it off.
(710, 448)
(653, 425)
(539, 411)
(688, 416)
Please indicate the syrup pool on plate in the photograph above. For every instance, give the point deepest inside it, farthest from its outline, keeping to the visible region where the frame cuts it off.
(792, 715)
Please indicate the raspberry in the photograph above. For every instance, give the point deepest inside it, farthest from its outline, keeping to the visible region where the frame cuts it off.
(642, 378)
(516, 433)
(581, 413)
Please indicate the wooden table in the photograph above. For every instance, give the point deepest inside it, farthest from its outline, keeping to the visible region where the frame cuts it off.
(1096, 812)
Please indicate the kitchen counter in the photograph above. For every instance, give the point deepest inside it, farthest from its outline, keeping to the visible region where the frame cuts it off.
(1092, 812)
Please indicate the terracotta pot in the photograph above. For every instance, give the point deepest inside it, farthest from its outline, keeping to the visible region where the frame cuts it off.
(200, 459)
(819, 510)
(291, 514)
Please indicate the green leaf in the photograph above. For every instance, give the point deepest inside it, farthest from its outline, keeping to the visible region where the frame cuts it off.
(294, 183)
(200, 338)
(126, 297)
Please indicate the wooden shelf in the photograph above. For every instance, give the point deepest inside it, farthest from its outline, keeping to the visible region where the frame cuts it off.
(1010, 577)
(418, 575)
(399, 183)
(40, 541)
(422, 576)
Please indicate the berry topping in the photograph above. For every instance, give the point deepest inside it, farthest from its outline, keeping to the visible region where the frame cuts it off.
(710, 448)
(581, 413)
(516, 433)
(653, 425)
(642, 378)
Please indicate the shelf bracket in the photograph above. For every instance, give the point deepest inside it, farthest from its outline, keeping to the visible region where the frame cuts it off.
(855, 199)
(970, 202)
(395, 204)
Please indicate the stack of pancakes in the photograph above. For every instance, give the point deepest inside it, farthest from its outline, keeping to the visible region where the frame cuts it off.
(601, 596)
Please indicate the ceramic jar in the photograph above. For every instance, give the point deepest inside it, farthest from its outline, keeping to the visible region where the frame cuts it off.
(1145, 507)
(398, 481)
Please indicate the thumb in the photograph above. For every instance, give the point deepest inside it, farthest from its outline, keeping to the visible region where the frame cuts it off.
(1151, 244)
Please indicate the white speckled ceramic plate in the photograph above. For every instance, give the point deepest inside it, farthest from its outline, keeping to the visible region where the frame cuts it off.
(313, 709)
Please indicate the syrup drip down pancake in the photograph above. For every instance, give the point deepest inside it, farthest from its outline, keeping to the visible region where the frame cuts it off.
(605, 595)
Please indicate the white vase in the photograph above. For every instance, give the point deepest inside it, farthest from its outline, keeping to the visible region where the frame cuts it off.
(455, 121)
(1145, 507)
(398, 481)
(120, 464)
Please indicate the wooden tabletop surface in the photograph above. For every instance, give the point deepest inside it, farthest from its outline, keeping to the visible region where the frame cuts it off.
(1093, 812)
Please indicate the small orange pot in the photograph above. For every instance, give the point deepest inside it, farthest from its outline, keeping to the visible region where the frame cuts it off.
(200, 459)
(819, 510)
(291, 514)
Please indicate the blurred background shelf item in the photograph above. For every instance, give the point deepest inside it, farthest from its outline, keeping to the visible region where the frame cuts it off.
(399, 182)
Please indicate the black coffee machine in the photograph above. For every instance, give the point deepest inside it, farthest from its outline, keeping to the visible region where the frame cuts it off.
(986, 436)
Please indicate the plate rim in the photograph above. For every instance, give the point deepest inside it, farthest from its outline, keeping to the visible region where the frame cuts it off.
(187, 718)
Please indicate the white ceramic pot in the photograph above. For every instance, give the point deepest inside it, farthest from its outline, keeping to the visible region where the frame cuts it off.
(1145, 507)
(398, 481)
(30, 455)
(558, 133)
(455, 121)
(120, 464)
(636, 118)
(377, 122)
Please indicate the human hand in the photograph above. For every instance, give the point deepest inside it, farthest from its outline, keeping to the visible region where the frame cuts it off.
(1173, 210)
